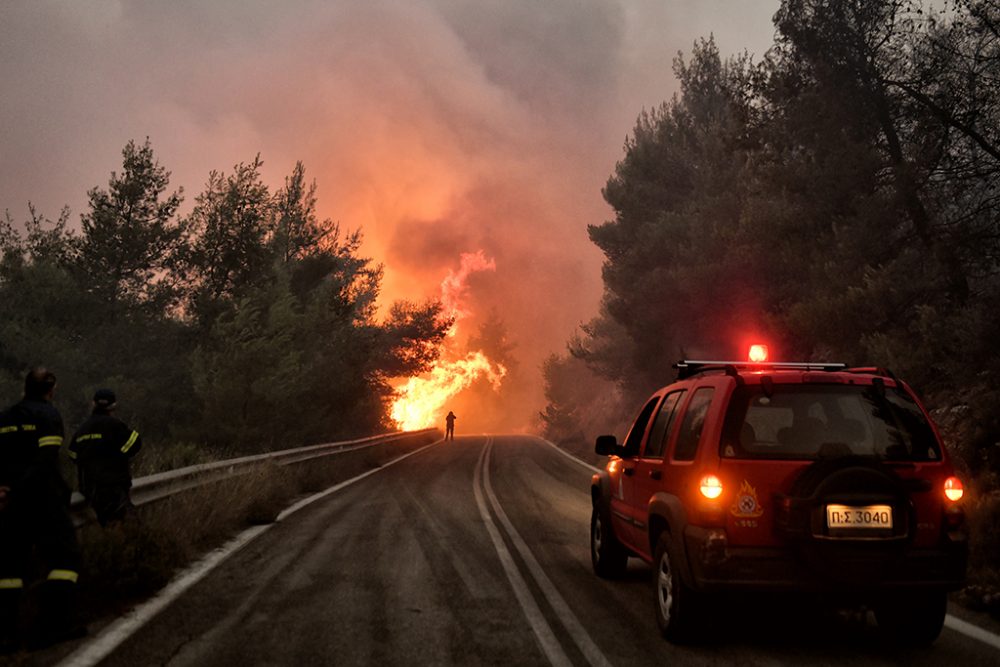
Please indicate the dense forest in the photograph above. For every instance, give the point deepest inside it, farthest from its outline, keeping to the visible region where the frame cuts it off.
(839, 199)
(247, 324)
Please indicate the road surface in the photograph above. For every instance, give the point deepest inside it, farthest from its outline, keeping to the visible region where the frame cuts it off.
(472, 552)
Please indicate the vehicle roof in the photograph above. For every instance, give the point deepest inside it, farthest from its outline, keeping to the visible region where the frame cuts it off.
(787, 372)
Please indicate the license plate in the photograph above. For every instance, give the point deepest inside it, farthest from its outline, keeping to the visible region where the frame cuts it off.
(868, 516)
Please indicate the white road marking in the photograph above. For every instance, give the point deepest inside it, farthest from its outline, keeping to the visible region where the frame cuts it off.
(568, 455)
(115, 634)
(569, 620)
(118, 632)
(337, 487)
(546, 638)
(973, 631)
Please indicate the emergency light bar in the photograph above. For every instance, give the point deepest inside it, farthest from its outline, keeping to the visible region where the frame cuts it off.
(689, 367)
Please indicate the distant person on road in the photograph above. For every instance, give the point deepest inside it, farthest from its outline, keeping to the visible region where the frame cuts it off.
(102, 449)
(35, 518)
(449, 433)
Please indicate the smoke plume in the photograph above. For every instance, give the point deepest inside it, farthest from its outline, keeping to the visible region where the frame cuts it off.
(435, 126)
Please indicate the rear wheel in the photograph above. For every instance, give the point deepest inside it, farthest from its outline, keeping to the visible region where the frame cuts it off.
(608, 556)
(912, 619)
(676, 604)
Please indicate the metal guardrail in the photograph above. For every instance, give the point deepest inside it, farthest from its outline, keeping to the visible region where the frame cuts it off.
(151, 488)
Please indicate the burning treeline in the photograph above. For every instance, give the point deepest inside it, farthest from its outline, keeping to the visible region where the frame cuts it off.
(422, 400)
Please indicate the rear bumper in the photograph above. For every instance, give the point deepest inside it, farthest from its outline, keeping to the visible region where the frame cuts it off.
(851, 568)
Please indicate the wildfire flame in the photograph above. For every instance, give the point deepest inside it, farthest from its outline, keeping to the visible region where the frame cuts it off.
(420, 400)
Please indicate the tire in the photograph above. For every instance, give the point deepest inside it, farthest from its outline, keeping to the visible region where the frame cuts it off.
(608, 556)
(912, 619)
(676, 604)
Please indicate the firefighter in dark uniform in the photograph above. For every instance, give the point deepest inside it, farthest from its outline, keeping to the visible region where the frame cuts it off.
(35, 516)
(102, 449)
(449, 431)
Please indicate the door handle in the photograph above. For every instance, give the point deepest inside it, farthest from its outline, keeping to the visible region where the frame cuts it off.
(629, 471)
(656, 474)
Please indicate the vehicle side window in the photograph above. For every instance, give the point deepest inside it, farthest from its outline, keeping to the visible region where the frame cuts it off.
(694, 421)
(660, 432)
(634, 438)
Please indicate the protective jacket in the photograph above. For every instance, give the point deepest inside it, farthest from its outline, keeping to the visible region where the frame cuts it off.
(35, 522)
(102, 448)
(31, 433)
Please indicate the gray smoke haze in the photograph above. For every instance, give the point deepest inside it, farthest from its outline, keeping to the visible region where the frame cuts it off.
(437, 127)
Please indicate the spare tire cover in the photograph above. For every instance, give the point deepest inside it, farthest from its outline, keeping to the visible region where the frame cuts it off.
(851, 557)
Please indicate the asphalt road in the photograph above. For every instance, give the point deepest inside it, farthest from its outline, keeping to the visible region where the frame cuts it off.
(473, 553)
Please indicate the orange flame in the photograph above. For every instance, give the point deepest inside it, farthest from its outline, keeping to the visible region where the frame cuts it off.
(419, 402)
(421, 399)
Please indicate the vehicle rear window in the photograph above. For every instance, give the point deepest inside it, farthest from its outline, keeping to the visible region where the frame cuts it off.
(817, 421)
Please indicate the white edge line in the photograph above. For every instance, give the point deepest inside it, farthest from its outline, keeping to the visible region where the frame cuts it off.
(292, 509)
(112, 636)
(971, 630)
(115, 634)
(568, 455)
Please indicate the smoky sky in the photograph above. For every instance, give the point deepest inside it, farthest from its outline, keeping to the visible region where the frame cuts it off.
(436, 127)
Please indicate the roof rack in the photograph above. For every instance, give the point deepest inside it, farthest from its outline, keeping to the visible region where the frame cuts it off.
(689, 367)
(873, 370)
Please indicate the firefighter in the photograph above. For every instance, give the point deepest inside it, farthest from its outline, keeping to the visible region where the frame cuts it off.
(102, 449)
(35, 516)
(449, 432)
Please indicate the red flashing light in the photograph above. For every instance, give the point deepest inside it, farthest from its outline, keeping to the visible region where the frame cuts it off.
(758, 353)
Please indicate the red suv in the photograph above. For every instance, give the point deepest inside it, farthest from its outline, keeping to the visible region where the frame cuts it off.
(784, 477)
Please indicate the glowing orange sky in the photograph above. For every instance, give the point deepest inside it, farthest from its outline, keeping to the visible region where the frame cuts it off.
(437, 127)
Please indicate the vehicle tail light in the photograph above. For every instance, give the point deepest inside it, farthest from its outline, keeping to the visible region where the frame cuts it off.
(953, 489)
(710, 487)
(758, 353)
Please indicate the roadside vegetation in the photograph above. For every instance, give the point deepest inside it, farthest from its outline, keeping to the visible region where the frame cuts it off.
(247, 325)
(839, 199)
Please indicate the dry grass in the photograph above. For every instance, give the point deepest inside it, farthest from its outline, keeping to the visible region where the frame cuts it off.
(171, 457)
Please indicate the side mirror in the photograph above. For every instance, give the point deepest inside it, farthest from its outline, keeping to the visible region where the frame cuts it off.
(606, 445)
